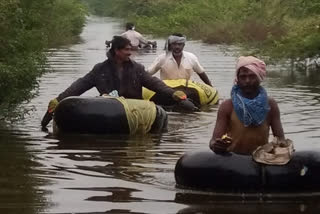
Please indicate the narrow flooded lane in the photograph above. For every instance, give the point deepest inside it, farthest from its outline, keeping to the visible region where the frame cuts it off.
(121, 174)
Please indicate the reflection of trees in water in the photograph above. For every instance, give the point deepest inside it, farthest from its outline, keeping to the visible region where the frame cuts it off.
(303, 77)
(185, 122)
(118, 211)
(210, 203)
(306, 84)
(20, 187)
(117, 194)
(300, 76)
(131, 158)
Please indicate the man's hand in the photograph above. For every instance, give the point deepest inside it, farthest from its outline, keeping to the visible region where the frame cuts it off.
(179, 96)
(187, 105)
(52, 105)
(154, 44)
(221, 145)
(48, 115)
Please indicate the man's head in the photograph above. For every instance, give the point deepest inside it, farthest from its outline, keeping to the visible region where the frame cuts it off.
(250, 72)
(120, 48)
(176, 43)
(129, 26)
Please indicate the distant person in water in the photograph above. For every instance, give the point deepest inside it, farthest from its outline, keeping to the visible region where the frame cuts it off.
(247, 117)
(177, 63)
(136, 39)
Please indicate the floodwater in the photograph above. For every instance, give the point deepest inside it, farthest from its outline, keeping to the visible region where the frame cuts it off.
(119, 174)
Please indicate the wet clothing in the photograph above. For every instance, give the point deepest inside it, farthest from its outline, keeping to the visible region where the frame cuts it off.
(246, 139)
(135, 38)
(129, 82)
(170, 70)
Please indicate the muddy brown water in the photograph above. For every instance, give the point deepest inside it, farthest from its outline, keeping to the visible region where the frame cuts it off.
(119, 174)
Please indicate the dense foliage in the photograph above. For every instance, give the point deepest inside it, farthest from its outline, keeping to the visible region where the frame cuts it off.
(28, 28)
(281, 29)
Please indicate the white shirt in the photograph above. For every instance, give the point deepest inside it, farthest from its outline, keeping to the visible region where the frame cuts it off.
(135, 37)
(169, 68)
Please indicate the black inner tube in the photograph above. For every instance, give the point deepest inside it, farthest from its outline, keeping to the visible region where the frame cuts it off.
(96, 115)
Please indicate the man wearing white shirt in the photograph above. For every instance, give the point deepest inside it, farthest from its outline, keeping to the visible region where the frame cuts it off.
(136, 39)
(176, 63)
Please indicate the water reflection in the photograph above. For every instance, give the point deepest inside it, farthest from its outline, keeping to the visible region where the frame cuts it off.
(299, 101)
(19, 184)
(121, 157)
(117, 194)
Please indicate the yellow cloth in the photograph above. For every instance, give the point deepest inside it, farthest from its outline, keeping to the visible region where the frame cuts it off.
(140, 114)
(207, 94)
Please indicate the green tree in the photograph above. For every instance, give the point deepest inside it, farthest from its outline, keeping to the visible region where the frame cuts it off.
(28, 28)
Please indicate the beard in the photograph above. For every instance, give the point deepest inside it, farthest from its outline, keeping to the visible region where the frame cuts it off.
(176, 53)
(250, 90)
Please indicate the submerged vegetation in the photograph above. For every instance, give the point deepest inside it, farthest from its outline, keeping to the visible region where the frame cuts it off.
(28, 28)
(280, 29)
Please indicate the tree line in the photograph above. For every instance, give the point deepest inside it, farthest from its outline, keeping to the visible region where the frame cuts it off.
(28, 28)
(279, 29)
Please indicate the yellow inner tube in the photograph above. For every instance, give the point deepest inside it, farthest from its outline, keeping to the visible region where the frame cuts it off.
(207, 94)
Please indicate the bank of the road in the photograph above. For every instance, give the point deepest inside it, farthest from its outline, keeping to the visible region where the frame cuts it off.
(28, 29)
(278, 29)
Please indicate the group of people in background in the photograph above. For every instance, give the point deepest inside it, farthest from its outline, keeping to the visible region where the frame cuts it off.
(246, 118)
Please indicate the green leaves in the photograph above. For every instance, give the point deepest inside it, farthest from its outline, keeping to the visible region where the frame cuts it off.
(280, 29)
(28, 28)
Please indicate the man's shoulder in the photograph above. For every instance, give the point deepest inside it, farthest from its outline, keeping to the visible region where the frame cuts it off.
(271, 99)
(99, 65)
(226, 106)
(137, 33)
(162, 57)
(272, 102)
(189, 55)
(226, 103)
(136, 64)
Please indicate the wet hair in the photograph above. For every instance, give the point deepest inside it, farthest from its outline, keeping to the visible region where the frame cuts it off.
(129, 26)
(117, 43)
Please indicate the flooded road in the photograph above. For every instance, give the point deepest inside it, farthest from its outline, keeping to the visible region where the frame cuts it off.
(120, 174)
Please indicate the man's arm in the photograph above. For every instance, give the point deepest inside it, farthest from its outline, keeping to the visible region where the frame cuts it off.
(156, 65)
(81, 85)
(203, 76)
(221, 126)
(275, 121)
(77, 88)
(200, 70)
(141, 38)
